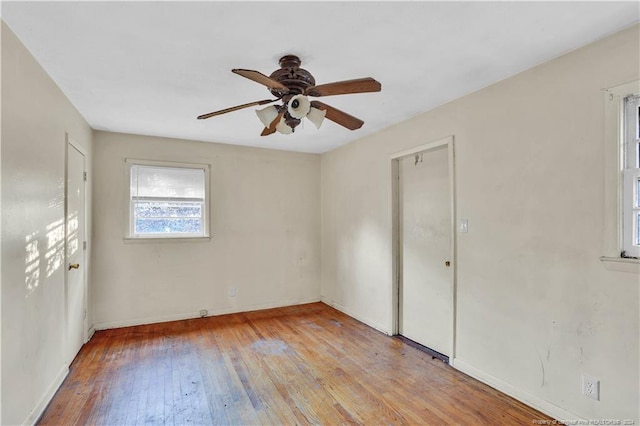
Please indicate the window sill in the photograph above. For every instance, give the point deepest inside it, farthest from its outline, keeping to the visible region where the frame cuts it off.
(167, 240)
(621, 264)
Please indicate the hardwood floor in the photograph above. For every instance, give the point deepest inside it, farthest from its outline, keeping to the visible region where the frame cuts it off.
(307, 364)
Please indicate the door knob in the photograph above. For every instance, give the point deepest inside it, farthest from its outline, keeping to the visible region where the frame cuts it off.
(74, 266)
(447, 263)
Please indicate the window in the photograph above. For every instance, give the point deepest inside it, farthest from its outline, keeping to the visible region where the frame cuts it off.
(168, 200)
(631, 176)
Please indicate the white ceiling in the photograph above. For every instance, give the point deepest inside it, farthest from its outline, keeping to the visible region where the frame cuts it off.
(151, 67)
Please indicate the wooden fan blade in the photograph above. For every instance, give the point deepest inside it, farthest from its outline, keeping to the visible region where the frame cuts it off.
(360, 85)
(258, 77)
(235, 108)
(339, 117)
(272, 127)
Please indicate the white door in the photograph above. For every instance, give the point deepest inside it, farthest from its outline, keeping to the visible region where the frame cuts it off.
(76, 264)
(425, 228)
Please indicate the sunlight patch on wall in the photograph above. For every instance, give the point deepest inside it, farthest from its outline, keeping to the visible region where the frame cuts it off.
(32, 262)
(53, 256)
(58, 200)
(72, 229)
(55, 246)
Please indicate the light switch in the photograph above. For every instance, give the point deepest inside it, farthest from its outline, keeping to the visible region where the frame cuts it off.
(464, 226)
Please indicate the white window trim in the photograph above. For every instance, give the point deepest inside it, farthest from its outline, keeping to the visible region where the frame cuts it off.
(613, 156)
(130, 237)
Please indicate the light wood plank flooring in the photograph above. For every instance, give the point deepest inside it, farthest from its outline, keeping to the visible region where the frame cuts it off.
(307, 364)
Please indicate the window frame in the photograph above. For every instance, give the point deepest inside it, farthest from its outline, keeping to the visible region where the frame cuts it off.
(630, 166)
(130, 235)
(614, 157)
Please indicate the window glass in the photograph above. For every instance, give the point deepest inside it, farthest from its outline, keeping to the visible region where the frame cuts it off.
(167, 201)
(156, 217)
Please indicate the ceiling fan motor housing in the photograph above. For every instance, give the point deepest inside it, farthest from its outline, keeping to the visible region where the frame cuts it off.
(291, 75)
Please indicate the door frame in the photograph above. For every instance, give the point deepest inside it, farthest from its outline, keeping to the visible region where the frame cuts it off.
(396, 237)
(71, 144)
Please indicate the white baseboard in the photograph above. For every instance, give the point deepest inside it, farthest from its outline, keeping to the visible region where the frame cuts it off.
(514, 392)
(91, 332)
(37, 411)
(353, 314)
(212, 312)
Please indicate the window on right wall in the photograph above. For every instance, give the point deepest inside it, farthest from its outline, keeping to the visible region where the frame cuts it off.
(630, 177)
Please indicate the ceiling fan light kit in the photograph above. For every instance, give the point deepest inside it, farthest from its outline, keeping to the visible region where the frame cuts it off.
(316, 116)
(293, 85)
(283, 127)
(298, 106)
(267, 115)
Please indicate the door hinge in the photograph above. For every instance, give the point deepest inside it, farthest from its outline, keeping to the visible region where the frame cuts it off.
(85, 314)
(84, 174)
(84, 245)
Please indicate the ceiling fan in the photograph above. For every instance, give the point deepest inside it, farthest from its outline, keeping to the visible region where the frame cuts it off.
(293, 85)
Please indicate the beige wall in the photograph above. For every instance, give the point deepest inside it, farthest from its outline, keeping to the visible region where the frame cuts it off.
(35, 117)
(536, 308)
(265, 227)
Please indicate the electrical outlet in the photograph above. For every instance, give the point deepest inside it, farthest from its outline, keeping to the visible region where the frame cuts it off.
(203, 313)
(233, 291)
(464, 226)
(591, 387)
